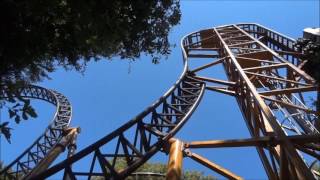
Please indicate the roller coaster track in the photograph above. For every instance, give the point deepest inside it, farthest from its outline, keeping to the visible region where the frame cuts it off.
(52, 135)
(263, 73)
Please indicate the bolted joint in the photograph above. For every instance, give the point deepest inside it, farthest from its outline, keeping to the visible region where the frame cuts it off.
(191, 73)
(69, 136)
(187, 153)
(274, 141)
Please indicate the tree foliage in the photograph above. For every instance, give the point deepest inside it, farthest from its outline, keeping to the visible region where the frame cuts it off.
(39, 36)
(311, 64)
(311, 52)
(158, 168)
(18, 108)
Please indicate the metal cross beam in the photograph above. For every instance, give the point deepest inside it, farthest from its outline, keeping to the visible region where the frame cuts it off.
(30, 159)
(263, 74)
(138, 139)
(269, 90)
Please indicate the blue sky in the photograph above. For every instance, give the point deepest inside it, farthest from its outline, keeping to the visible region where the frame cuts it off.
(110, 93)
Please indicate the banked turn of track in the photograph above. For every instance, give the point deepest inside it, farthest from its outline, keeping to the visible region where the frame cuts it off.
(52, 135)
(140, 138)
(136, 141)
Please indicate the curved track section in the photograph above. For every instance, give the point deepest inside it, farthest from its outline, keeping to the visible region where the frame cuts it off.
(252, 57)
(263, 74)
(140, 138)
(29, 159)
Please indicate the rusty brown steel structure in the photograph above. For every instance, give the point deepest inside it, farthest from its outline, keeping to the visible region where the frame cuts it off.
(263, 73)
(139, 139)
(175, 159)
(264, 76)
(38, 151)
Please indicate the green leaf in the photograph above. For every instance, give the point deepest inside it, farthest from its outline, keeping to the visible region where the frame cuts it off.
(31, 112)
(17, 119)
(11, 113)
(4, 124)
(24, 116)
(27, 102)
(5, 130)
(17, 105)
(10, 98)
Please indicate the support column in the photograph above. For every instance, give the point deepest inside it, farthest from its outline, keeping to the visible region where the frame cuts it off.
(175, 160)
(70, 135)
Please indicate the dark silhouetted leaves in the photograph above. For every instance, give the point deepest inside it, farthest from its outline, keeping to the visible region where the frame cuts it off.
(38, 36)
(311, 52)
(11, 113)
(18, 108)
(31, 112)
(5, 130)
(17, 119)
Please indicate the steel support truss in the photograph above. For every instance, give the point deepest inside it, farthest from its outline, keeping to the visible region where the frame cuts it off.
(24, 164)
(138, 139)
(263, 73)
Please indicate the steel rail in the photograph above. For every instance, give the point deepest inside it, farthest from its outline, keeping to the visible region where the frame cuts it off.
(36, 152)
(141, 137)
(260, 45)
(277, 41)
(274, 40)
(250, 39)
(287, 149)
(149, 132)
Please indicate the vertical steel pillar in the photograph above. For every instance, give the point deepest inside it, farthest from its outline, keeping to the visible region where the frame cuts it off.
(175, 160)
(69, 137)
(269, 90)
